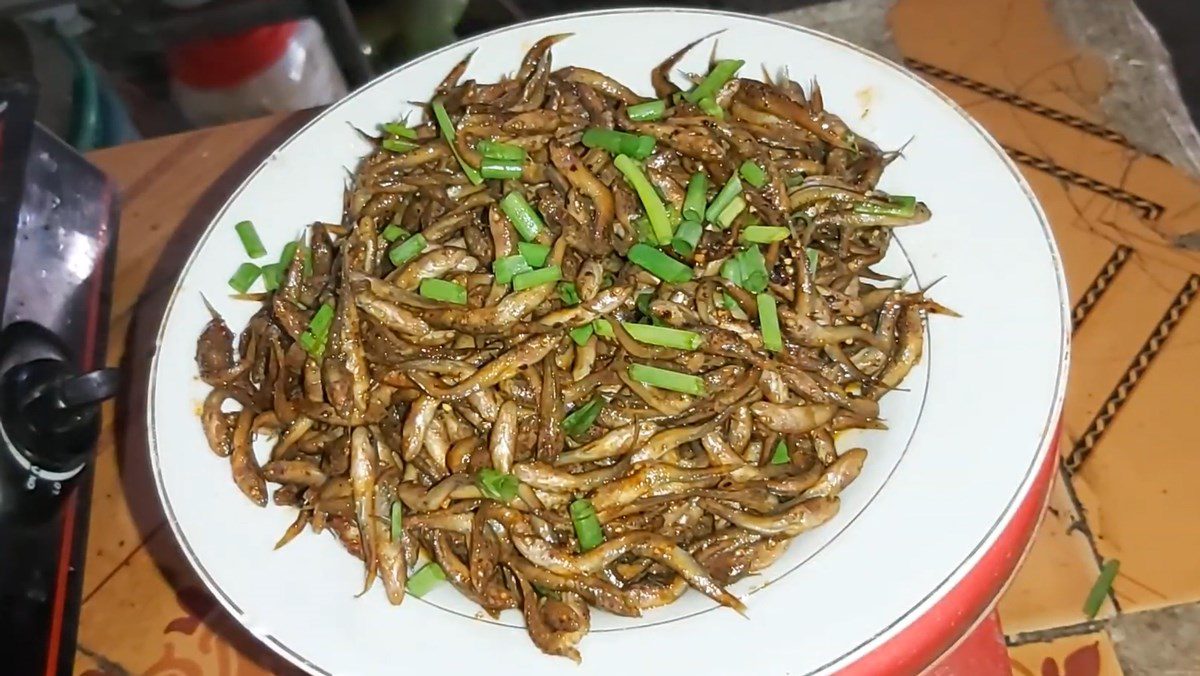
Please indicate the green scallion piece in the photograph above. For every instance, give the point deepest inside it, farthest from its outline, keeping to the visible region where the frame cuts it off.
(496, 485)
(764, 234)
(398, 129)
(448, 133)
(508, 267)
(250, 241)
(501, 151)
(424, 580)
(619, 143)
(768, 321)
(781, 456)
(753, 174)
(730, 190)
(314, 345)
(687, 236)
(903, 206)
(1101, 588)
(244, 277)
(813, 256)
(394, 232)
(397, 512)
(272, 275)
(736, 206)
(660, 222)
(603, 328)
(754, 270)
(587, 525)
(523, 217)
(397, 145)
(659, 264)
(645, 234)
(581, 334)
(716, 78)
(535, 254)
(569, 294)
(731, 269)
(663, 336)
(693, 203)
(500, 169)
(666, 379)
(648, 111)
(579, 421)
(709, 107)
(445, 291)
(288, 254)
(407, 249)
(528, 280)
(321, 321)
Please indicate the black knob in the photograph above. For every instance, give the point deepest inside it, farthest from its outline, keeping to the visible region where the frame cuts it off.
(52, 414)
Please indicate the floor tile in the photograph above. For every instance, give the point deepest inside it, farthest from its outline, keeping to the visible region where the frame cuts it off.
(1162, 642)
(1083, 655)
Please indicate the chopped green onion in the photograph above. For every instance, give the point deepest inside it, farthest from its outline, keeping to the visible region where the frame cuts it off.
(587, 525)
(764, 234)
(732, 305)
(619, 143)
(394, 232)
(780, 456)
(448, 133)
(648, 111)
(693, 203)
(1101, 588)
(753, 174)
(730, 190)
(579, 421)
(812, 256)
(768, 321)
(709, 107)
(308, 261)
(659, 264)
(321, 321)
(244, 277)
(496, 485)
(651, 202)
(668, 380)
(663, 336)
(528, 280)
(687, 236)
(508, 267)
(535, 254)
(754, 270)
(903, 206)
(501, 151)
(250, 241)
(603, 328)
(731, 269)
(397, 510)
(643, 303)
(272, 275)
(440, 289)
(424, 580)
(523, 217)
(716, 78)
(288, 254)
(398, 129)
(569, 294)
(645, 233)
(581, 334)
(397, 145)
(407, 249)
(736, 206)
(314, 345)
(500, 169)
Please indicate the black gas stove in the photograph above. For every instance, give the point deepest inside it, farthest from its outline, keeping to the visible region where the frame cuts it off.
(58, 222)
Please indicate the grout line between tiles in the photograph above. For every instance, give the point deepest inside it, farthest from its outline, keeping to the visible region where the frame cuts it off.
(1083, 527)
(1047, 635)
(124, 561)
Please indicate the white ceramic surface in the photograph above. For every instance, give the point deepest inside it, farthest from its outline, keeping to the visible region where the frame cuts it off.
(965, 434)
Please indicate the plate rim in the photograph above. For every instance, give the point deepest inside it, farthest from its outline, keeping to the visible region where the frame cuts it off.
(868, 644)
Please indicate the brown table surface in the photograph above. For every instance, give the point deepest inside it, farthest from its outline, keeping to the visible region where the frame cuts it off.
(1127, 487)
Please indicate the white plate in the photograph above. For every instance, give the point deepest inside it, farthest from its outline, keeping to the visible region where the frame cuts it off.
(965, 436)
